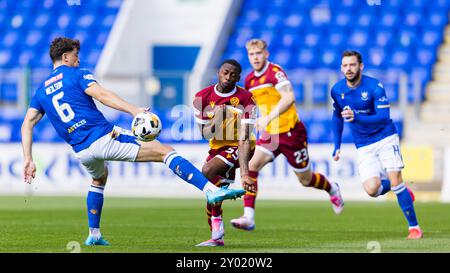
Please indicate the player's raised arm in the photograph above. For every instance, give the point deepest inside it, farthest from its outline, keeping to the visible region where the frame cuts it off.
(287, 99)
(111, 99)
(32, 117)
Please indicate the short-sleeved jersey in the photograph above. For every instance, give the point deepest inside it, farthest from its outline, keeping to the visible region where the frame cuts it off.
(239, 103)
(364, 99)
(263, 85)
(71, 111)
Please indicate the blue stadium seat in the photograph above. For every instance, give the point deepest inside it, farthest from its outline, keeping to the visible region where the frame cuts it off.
(425, 56)
(377, 57)
(330, 57)
(5, 57)
(430, 36)
(384, 36)
(412, 17)
(273, 21)
(437, 18)
(296, 18)
(320, 93)
(312, 36)
(290, 39)
(366, 18)
(8, 92)
(337, 37)
(358, 37)
(298, 92)
(283, 57)
(305, 58)
(407, 37)
(341, 18)
(399, 57)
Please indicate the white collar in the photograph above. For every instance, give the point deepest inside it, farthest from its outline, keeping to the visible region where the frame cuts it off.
(224, 95)
(258, 74)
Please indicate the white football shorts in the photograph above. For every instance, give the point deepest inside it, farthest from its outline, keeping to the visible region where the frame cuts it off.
(379, 158)
(118, 145)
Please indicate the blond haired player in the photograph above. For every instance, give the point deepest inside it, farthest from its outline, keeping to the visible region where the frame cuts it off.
(282, 132)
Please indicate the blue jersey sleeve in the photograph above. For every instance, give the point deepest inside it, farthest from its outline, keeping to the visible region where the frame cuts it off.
(36, 105)
(337, 124)
(381, 107)
(85, 78)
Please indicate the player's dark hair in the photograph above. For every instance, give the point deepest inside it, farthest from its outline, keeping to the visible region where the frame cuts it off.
(355, 53)
(233, 63)
(62, 45)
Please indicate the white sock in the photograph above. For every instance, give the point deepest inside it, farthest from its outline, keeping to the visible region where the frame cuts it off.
(95, 232)
(210, 187)
(333, 188)
(414, 227)
(216, 217)
(249, 212)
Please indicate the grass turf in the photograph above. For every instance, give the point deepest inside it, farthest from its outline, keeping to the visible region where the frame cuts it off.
(48, 224)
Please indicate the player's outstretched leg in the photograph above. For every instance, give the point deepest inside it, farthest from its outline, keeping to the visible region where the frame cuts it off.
(405, 201)
(385, 187)
(247, 221)
(154, 151)
(186, 171)
(319, 181)
(94, 207)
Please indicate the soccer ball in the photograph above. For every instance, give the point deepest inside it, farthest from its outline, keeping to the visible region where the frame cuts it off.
(146, 126)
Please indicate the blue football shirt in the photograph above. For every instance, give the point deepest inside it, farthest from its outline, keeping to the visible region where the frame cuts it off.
(371, 107)
(71, 111)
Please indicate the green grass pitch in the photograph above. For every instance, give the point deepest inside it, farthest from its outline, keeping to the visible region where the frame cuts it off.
(48, 224)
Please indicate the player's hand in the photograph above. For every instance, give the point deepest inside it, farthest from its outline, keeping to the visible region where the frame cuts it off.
(138, 110)
(29, 171)
(248, 184)
(348, 115)
(261, 123)
(336, 154)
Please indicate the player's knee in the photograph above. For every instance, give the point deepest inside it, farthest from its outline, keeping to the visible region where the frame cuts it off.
(208, 170)
(101, 181)
(371, 189)
(304, 178)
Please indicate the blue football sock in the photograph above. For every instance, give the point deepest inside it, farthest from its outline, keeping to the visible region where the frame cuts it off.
(185, 170)
(385, 187)
(406, 204)
(95, 205)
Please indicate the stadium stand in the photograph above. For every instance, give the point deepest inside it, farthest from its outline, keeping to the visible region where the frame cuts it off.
(27, 28)
(305, 37)
(399, 37)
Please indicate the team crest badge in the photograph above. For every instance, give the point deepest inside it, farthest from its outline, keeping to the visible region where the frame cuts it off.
(262, 80)
(212, 103)
(364, 95)
(342, 96)
(280, 76)
(234, 101)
